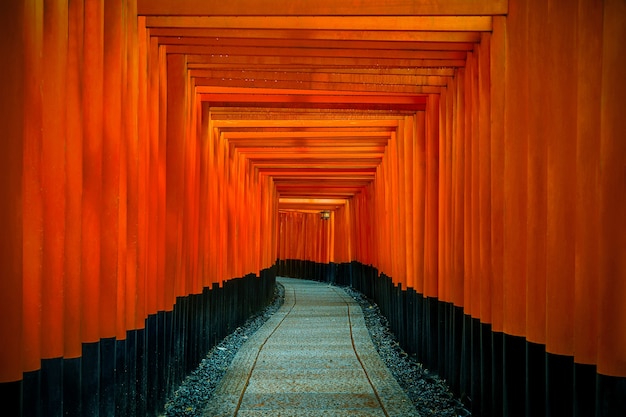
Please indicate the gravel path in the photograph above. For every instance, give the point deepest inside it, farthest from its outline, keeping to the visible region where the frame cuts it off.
(428, 392)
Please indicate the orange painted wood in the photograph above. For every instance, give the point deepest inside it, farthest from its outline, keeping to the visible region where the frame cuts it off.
(443, 197)
(164, 285)
(515, 172)
(13, 19)
(612, 285)
(431, 194)
(561, 189)
(484, 176)
(407, 189)
(474, 183)
(32, 198)
(497, 98)
(418, 235)
(143, 159)
(154, 197)
(387, 23)
(588, 216)
(323, 7)
(133, 289)
(323, 35)
(74, 168)
(540, 120)
(111, 142)
(55, 29)
(458, 150)
(175, 147)
(93, 114)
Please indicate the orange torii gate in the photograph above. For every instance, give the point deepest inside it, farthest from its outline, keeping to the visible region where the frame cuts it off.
(161, 159)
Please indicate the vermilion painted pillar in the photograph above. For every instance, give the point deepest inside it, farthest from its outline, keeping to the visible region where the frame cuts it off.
(537, 205)
(74, 168)
(612, 285)
(93, 53)
(588, 215)
(143, 173)
(443, 212)
(496, 160)
(53, 176)
(432, 196)
(515, 175)
(32, 197)
(458, 143)
(484, 177)
(420, 164)
(174, 176)
(12, 118)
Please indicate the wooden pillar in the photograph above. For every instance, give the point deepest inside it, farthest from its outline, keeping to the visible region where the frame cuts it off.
(497, 91)
(93, 68)
(32, 198)
(588, 215)
(12, 120)
(143, 173)
(537, 207)
(612, 285)
(484, 177)
(53, 175)
(74, 168)
(419, 201)
(431, 195)
(175, 175)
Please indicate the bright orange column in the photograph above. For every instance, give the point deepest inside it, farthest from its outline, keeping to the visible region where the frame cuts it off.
(561, 189)
(484, 177)
(497, 97)
(432, 197)
(588, 215)
(110, 154)
(537, 187)
(32, 197)
(515, 173)
(93, 65)
(74, 168)
(12, 117)
(612, 283)
(53, 175)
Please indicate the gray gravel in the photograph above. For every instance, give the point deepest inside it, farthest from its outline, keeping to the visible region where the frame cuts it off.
(430, 394)
(194, 393)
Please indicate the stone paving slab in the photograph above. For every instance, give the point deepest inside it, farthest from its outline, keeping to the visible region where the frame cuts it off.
(314, 357)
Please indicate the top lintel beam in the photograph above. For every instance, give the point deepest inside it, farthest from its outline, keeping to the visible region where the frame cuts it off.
(387, 23)
(322, 8)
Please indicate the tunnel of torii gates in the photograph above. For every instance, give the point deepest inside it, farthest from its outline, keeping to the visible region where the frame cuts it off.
(162, 161)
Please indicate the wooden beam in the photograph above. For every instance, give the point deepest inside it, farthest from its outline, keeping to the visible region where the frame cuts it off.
(332, 35)
(387, 23)
(260, 51)
(324, 77)
(222, 42)
(227, 61)
(322, 7)
(286, 123)
(311, 85)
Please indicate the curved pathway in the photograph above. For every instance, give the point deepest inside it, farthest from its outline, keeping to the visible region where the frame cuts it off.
(314, 357)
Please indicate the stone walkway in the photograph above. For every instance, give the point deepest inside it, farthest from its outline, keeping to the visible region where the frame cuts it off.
(314, 357)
